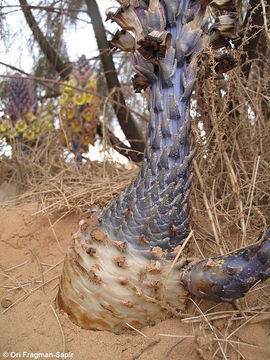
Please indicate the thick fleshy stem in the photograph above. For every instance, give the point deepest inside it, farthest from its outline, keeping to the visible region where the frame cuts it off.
(153, 211)
(117, 266)
(117, 270)
(229, 277)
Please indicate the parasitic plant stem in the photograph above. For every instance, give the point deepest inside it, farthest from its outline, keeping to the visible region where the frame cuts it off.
(119, 264)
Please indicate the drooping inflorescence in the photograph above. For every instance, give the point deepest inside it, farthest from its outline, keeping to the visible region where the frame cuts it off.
(79, 108)
(118, 270)
(25, 119)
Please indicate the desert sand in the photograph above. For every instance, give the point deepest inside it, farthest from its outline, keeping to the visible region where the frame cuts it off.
(32, 250)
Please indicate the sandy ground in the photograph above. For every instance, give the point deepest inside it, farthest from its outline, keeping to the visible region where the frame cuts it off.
(31, 256)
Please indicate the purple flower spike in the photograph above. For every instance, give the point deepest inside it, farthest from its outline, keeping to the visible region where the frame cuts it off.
(22, 97)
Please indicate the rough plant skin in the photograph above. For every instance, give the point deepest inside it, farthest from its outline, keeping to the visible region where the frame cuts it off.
(117, 271)
(226, 278)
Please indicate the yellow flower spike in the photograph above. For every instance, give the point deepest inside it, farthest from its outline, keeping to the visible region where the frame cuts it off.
(95, 103)
(48, 126)
(87, 114)
(88, 88)
(64, 98)
(48, 118)
(49, 106)
(79, 98)
(70, 112)
(63, 112)
(30, 116)
(39, 111)
(89, 98)
(93, 84)
(37, 128)
(68, 90)
(12, 134)
(88, 128)
(21, 125)
(4, 126)
(44, 117)
(81, 81)
(29, 134)
(85, 140)
(89, 93)
(77, 124)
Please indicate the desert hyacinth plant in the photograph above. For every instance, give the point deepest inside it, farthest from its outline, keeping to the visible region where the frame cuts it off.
(123, 267)
(25, 121)
(79, 108)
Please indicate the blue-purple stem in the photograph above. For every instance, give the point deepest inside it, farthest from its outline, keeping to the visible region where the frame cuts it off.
(153, 210)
